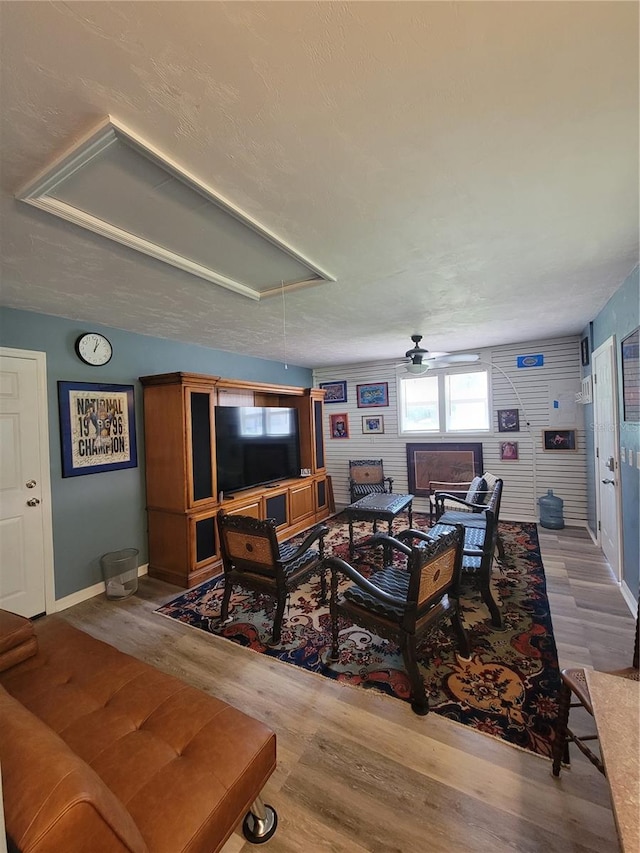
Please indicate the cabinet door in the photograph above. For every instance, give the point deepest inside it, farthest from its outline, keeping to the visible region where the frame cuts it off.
(301, 501)
(276, 506)
(201, 468)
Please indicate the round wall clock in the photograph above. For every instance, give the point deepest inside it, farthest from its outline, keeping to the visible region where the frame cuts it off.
(94, 349)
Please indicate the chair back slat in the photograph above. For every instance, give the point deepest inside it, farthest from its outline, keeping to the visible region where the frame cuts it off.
(248, 547)
(436, 575)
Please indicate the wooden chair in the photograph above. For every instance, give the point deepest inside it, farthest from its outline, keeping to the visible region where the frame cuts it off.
(403, 604)
(480, 541)
(483, 493)
(574, 683)
(366, 476)
(253, 558)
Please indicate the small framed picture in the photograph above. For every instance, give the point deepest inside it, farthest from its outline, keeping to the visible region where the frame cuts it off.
(376, 394)
(339, 425)
(509, 451)
(334, 392)
(372, 423)
(584, 351)
(508, 420)
(559, 439)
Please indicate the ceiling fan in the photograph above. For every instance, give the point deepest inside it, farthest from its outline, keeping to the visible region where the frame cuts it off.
(417, 359)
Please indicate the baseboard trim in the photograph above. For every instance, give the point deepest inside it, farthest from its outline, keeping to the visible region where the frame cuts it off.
(629, 598)
(89, 592)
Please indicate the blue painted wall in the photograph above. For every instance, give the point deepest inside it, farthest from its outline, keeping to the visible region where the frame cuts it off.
(619, 317)
(106, 511)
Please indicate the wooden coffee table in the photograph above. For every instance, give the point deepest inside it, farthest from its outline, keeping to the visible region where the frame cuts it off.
(378, 507)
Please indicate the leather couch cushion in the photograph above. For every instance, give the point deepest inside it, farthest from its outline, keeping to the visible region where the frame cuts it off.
(184, 764)
(17, 639)
(53, 800)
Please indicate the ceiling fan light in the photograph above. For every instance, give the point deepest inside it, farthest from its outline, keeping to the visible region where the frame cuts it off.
(416, 369)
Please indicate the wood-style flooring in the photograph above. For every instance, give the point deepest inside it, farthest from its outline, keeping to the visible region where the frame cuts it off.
(360, 772)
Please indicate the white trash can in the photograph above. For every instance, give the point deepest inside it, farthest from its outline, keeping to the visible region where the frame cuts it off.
(120, 572)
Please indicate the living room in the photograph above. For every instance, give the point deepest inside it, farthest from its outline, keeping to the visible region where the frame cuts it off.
(538, 263)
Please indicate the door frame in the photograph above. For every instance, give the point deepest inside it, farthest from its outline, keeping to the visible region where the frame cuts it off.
(40, 359)
(610, 343)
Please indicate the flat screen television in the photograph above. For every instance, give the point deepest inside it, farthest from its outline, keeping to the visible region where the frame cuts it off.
(255, 445)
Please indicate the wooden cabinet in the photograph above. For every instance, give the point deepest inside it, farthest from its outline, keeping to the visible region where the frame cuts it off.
(182, 496)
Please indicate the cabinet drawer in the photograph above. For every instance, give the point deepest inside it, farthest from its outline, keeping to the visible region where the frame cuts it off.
(252, 509)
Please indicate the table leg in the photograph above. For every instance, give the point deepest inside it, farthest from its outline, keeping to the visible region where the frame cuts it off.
(410, 511)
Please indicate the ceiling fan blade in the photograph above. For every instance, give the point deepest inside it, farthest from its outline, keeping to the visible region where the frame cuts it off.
(454, 358)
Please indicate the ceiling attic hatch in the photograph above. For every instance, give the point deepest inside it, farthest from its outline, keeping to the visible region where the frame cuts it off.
(116, 184)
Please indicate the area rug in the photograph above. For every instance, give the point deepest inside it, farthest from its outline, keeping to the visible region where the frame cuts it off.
(507, 689)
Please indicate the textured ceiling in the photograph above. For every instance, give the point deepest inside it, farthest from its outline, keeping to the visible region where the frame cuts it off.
(466, 170)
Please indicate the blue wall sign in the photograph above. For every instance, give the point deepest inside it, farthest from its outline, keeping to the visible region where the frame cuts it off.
(530, 360)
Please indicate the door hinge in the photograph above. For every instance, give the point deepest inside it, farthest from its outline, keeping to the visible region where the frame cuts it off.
(595, 379)
(599, 527)
(597, 453)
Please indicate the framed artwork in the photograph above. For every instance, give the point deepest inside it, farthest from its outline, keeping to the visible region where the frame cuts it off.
(335, 392)
(339, 425)
(508, 420)
(559, 439)
(372, 423)
(442, 463)
(375, 394)
(584, 351)
(631, 376)
(509, 451)
(97, 427)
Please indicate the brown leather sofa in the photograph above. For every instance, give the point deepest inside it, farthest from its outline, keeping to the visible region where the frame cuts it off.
(101, 752)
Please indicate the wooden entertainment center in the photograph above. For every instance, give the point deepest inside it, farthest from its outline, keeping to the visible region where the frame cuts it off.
(180, 454)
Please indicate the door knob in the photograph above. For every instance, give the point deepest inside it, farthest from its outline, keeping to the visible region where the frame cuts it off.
(33, 502)
(31, 484)
(609, 482)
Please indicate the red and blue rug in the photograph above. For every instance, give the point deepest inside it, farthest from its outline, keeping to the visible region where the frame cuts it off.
(507, 689)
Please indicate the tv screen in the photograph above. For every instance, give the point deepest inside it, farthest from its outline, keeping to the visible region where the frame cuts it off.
(255, 445)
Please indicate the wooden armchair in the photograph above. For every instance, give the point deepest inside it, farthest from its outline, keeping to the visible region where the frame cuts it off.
(366, 476)
(472, 513)
(253, 558)
(574, 683)
(402, 603)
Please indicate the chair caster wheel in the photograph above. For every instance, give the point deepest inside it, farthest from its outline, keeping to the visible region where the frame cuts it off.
(258, 831)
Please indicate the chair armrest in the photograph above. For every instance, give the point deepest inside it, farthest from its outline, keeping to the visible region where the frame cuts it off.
(441, 497)
(390, 481)
(317, 532)
(410, 533)
(384, 539)
(337, 565)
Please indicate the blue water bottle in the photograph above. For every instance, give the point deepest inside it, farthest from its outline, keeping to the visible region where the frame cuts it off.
(551, 511)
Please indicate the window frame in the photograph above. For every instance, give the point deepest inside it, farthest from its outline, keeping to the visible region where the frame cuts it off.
(441, 374)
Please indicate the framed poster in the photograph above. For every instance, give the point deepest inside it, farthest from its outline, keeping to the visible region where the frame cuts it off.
(372, 424)
(97, 427)
(374, 394)
(443, 462)
(339, 425)
(559, 439)
(508, 420)
(334, 392)
(630, 347)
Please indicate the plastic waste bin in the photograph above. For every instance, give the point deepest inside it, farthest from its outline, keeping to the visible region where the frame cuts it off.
(120, 572)
(551, 511)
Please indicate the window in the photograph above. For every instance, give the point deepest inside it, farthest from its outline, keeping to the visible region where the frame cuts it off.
(447, 402)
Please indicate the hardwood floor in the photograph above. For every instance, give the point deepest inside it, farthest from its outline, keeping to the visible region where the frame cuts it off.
(360, 772)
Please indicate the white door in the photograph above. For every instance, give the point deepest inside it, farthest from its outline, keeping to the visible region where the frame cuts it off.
(607, 462)
(26, 549)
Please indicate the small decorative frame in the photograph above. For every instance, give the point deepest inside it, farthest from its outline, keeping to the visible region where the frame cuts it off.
(559, 439)
(509, 451)
(508, 420)
(97, 427)
(630, 350)
(375, 394)
(584, 351)
(335, 392)
(372, 424)
(339, 425)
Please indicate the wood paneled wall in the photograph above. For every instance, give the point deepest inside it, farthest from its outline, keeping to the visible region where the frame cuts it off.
(530, 390)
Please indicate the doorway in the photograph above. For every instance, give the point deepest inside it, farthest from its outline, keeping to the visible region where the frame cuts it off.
(26, 537)
(607, 455)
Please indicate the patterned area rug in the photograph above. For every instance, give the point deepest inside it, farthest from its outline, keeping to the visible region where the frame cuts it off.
(507, 689)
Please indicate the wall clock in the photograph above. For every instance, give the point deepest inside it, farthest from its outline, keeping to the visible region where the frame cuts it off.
(94, 349)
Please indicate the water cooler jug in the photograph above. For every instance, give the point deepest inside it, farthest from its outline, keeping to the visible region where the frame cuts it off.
(551, 511)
